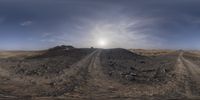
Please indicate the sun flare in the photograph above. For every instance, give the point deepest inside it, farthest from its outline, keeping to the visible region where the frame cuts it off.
(102, 42)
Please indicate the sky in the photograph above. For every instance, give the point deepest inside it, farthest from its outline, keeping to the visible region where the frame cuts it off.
(148, 24)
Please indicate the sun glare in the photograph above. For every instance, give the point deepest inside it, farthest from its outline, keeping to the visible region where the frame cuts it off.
(102, 42)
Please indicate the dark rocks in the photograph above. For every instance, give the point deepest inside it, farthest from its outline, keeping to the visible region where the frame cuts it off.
(142, 62)
(51, 62)
(132, 68)
(122, 65)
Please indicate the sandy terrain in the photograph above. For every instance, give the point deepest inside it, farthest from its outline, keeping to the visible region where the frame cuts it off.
(98, 74)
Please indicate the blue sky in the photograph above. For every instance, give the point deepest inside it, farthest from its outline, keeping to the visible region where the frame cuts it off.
(40, 24)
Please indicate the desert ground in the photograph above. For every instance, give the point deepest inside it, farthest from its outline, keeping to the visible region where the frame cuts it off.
(68, 73)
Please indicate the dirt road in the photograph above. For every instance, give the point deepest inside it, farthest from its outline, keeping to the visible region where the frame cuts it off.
(193, 73)
(98, 85)
(89, 81)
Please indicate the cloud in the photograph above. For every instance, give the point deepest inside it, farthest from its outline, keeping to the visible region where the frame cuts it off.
(119, 31)
(44, 35)
(26, 23)
(121, 34)
(127, 23)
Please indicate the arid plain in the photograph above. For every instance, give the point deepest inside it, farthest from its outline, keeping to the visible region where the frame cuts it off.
(68, 73)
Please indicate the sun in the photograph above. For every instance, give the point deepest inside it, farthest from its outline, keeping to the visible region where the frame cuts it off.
(102, 42)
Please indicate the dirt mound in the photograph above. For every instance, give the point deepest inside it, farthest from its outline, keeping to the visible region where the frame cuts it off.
(120, 54)
(123, 65)
(59, 50)
(51, 62)
(62, 47)
(44, 74)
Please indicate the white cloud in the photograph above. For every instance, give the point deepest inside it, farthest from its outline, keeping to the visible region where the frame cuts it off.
(122, 33)
(26, 23)
(44, 35)
(54, 38)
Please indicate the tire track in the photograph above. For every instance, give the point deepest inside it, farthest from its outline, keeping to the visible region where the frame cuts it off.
(193, 71)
